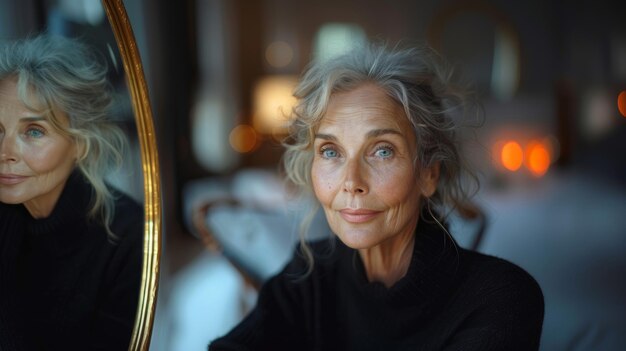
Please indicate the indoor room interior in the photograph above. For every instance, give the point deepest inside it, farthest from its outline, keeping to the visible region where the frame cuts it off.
(549, 149)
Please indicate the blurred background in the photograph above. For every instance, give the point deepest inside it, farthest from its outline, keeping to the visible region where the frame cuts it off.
(551, 153)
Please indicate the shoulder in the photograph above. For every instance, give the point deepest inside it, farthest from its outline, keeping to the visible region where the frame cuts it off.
(495, 305)
(488, 267)
(128, 220)
(499, 279)
(126, 248)
(126, 207)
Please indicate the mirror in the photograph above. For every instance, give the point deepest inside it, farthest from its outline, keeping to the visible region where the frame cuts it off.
(111, 42)
(149, 158)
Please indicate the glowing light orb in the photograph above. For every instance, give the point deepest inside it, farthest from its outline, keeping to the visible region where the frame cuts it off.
(243, 138)
(537, 158)
(621, 103)
(512, 156)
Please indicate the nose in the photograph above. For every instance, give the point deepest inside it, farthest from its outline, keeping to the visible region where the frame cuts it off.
(355, 178)
(8, 152)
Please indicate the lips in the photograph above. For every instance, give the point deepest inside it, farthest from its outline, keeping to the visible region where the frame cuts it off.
(11, 179)
(358, 215)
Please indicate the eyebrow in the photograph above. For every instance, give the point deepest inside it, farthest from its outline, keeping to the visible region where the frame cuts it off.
(378, 132)
(371, 134)
(325, 137)
(33, 119)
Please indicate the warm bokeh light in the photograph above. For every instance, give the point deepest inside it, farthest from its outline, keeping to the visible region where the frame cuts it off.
(243, 138)
(512, 156)
(621, 103)
(279, 54)
(537, 158)
(273, 101)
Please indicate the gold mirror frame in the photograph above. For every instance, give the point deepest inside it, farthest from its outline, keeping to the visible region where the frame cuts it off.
(137, 87)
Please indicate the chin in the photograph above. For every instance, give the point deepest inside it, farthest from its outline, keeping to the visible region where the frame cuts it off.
(11, 200)
(357, 239)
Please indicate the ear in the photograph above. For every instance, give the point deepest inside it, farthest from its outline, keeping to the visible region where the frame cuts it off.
(429, 178)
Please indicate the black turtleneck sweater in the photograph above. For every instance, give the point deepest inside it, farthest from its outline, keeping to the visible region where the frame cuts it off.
(64, 283)
(450, 299)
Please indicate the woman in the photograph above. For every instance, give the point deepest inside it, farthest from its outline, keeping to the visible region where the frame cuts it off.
(71, 247)
(374, 140)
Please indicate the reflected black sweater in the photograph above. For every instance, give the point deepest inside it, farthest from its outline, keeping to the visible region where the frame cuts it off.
(63, 284)
(450, 299)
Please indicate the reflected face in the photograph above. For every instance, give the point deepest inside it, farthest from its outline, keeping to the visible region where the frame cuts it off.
(35, 159)
(363, 170)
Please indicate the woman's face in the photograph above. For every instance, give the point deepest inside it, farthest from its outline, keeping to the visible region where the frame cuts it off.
(35, 159)
(363, 170)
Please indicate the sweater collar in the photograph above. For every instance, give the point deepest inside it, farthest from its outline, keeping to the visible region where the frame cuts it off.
(431, 273)
(62, 230)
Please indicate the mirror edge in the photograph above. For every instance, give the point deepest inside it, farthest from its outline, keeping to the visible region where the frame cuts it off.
(118, 18)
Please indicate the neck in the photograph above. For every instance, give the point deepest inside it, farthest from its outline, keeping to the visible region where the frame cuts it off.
(42, 206)
(37, 210)
(389, 261)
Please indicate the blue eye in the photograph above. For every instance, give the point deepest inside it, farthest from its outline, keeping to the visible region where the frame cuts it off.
(35, 133)
(384, 152)
(329, 153)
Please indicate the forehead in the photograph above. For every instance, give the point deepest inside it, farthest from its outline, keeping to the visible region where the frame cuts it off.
(8, 89)
(367, 105)
(12, 106)
(10, 103)
(12, 97)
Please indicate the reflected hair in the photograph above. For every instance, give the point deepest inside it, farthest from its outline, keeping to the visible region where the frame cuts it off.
(55, 73)
(422, 84)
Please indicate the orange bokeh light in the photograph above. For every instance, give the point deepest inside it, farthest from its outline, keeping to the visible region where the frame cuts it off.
(512, 156)
(537, 158)
(621, 103)
(243, 138)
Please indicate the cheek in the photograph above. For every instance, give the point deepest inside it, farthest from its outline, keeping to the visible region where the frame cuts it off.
(324, 184)
(396, 185)
(51, 157)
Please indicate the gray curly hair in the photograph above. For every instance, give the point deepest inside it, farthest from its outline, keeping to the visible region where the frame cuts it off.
(54, 72)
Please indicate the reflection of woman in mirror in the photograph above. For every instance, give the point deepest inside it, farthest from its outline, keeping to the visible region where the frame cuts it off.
(374, 140)
(71, 246)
